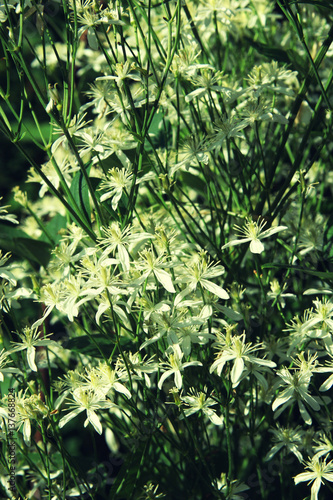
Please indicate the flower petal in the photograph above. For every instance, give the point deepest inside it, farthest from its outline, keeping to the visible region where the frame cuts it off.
(94, 420)
(31, 351)
(165, 279)
(215, 289)
(256, 246)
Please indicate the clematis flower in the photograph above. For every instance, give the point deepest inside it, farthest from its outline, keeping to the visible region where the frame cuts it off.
(151, 265)
(89, 401)
(6, 216)
(175, 367)
(3, 363)
(253, 233)
(198, 401)
(297, 390)
(239, 352)
(27, 410)
(318, 470)
(117, 181)
(201, 272)
(30, 340)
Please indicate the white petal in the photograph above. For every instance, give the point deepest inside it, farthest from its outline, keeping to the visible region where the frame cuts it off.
(27, 431)
(215, 289)
(121, 388)
(327, 384)
(310, 400)
(304, 413)
(181, 295)
(123, 257)
(315, 488)
(282, 398)
(31, 351)
(195, 93)
(105, 196)
(215, 419)
(236, 242)
(178, 379)
(69, 416)
(303, 476)
(263, 362)
(164, 376)
(237, 371)
(256, 246)
(218, 363)
(165, 279)
(94, 420)
(272, 230)
(116, 198)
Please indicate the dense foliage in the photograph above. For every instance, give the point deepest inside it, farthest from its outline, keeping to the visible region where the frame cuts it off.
(166, 265)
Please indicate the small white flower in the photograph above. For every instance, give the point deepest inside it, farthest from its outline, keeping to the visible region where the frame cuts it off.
(5, 216)
(239, 352)
(89, 401)
(176, 366)
(117, 181)
(150, 264)
(30, 340)
(198, 401)
(200, 273)
(318, 470)
(297, 390)
(253, 233)
(3, 363)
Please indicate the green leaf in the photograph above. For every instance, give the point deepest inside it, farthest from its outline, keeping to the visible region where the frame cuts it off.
(20, 245)
(53, 227)
(80, 192)
(9, 232)
(85, 345)
(328, 239)
(33, 250)
(126, 478)
(319, 274)
(278, 54)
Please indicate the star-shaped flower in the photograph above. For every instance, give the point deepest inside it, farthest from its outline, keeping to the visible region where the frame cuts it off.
(253, 233)
(318, 470)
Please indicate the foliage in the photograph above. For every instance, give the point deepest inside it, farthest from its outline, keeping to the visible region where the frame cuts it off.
(166, 268)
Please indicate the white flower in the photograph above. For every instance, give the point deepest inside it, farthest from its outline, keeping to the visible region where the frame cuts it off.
(238, 351)
(277, 294)
(193, 151)
(117, 181)
(123, 71)
(30, 340)
(318, 470)
(231, 491)
(200, 273)
(253, 232)
(150, 264)
(328, 368)
(4, 270)
(288, 439)
(27, 409)
(3, 363)
(9, 217)
(89, 401)
(296, 391)
(176, 366)
(198, 401)
(322, 315)
(117, 239)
